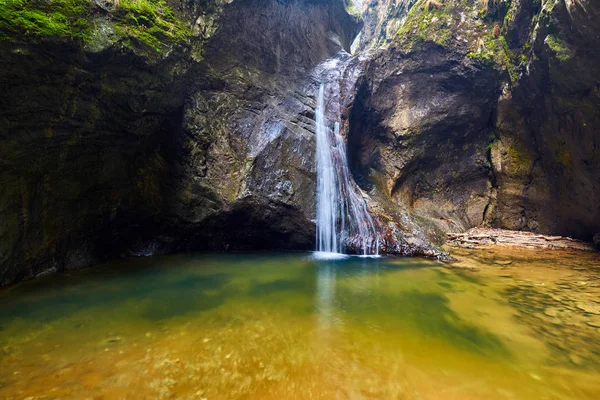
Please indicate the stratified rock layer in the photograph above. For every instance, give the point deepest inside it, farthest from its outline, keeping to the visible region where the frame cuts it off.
(481, 237)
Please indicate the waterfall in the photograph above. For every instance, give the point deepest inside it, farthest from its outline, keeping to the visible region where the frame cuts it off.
(343, 221)
(327, 192)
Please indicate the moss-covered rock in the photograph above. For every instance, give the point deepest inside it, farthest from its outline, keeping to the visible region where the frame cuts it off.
(65, 19)
(151, 22)
(146, 22)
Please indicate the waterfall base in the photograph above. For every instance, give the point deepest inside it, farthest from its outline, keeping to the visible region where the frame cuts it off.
(324, 255)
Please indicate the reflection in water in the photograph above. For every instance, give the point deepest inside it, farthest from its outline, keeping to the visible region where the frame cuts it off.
(291, 327)
(325, 295)
(353, 269)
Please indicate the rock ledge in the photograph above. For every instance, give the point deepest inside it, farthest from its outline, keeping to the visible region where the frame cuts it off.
(477, 237)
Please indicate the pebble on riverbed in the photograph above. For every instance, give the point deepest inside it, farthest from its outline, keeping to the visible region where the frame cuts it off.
(113, 340)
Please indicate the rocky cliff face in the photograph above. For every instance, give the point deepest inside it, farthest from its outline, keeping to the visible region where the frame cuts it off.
(81, 132)
(383, 19)
(243, 165)
(139, 126)
(485, 114)
(545, 156)
(143, 126)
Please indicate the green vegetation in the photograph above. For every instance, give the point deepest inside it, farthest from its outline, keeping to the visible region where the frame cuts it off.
(56, 18)
(150, 22)
(352, 9)
(445, 24)
(496, 51)
(427, 21)
(561, 50)
(488, 149)
(519, 157)
(504, 56)
(492, 140)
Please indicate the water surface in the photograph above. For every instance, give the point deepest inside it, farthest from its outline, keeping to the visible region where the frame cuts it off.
(498, 324)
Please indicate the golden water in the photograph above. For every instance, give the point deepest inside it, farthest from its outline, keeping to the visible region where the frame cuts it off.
(498, 324)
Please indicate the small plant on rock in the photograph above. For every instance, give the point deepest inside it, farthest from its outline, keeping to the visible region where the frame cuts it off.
(431, 4)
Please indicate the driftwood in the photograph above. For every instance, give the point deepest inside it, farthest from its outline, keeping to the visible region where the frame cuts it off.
(487, 237)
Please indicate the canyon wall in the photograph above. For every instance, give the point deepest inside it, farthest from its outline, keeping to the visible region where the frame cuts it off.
(485, 114)
(144, 127)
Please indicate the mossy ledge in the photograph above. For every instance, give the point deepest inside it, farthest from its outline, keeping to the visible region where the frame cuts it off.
(148, 22)
(473, 27)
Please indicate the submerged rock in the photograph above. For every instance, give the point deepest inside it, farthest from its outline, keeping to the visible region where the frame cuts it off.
(113, 340)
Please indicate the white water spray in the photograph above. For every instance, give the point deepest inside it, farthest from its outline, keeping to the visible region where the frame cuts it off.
(327, 204)
(343, 220)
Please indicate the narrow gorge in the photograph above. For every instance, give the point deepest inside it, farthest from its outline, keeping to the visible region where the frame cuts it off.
(369, 186)
(122, 139)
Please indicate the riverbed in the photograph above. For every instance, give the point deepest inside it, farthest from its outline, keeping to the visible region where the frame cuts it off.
(499, 323)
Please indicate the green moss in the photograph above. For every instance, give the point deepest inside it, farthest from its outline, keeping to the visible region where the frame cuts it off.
(496, 51)
(57, 18)
(518, 157)
(149, 22)
(352, 9)
(493, 138)
(485, 57)
(510, 17)
(427, 21)
(561, 49)
(437, 22)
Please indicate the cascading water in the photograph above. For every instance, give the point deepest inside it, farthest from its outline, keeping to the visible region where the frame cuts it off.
(327, 200)
(343, 221)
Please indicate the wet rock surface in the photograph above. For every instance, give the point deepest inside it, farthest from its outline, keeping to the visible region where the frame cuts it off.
(417, 127)
(81, 163)
(543, 163)
(484, 114)
(486, 236)
(201, 137)
(118, 150)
